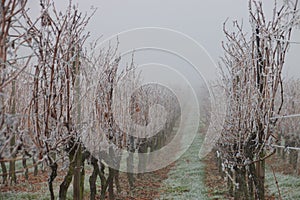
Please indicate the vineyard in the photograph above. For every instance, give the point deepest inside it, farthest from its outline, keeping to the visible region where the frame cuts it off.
(78, 121)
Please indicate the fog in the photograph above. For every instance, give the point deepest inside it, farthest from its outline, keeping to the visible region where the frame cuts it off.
(200, 20)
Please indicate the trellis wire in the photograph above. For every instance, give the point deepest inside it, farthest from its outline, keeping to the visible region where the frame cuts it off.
(287, 147)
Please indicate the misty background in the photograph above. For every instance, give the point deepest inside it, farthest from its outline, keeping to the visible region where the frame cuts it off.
(201, 20)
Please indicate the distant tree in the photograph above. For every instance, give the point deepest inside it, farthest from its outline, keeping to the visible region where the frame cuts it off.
(55, 108)
(13, 40)
(252, 67)
(288, 122)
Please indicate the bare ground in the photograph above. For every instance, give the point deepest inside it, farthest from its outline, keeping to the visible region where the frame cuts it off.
(147, 186)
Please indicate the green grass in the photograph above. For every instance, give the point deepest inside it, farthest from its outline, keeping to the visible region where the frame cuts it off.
(185, 180)
(289, 185)
(23, 196)
(178, 189)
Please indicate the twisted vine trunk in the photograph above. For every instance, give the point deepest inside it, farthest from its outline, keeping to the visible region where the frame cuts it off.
(77, 183)
(53, 175)
(4, 172)
(63, 188)
(93, 178)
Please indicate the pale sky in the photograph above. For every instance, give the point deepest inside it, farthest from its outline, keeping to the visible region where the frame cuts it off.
(199, 19)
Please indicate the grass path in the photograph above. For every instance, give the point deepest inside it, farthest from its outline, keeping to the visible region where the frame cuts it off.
(289, 185)
(185, 179)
